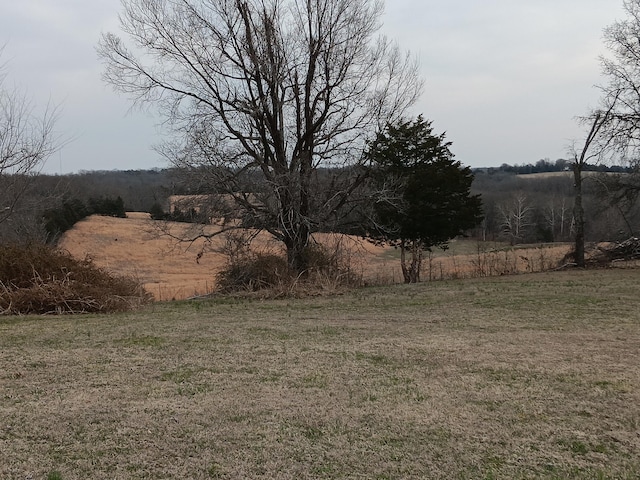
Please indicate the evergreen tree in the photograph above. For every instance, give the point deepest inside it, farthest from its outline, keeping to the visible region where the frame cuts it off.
(422, 194)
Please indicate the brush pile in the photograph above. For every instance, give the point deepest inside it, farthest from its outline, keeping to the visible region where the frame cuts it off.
(620, 251)
(38, 279)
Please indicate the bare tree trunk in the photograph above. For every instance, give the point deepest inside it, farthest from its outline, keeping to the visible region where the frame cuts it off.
(598, 120)
(403, 263)
(411, 272)
(578, 214)
(296, 245)
(416, 263)
(562, 219)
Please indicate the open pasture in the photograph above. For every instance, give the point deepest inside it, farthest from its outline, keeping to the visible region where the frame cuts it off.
(169, 270)
(530, 376)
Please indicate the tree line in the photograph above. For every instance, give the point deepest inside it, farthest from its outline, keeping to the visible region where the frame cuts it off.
(560, 165)
(540, 208)
(516, 207)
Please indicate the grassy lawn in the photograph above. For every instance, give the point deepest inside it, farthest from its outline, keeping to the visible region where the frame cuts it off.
(532, 376)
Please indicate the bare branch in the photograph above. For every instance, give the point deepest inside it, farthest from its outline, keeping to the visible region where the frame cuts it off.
(27, 140)
(264, 95)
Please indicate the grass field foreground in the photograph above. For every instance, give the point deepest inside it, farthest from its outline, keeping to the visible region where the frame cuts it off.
(531, 376)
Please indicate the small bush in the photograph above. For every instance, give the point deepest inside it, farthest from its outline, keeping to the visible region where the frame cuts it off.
(37, 279)
(331, 261)
(157, 212)
(253, 272)
(328, 270)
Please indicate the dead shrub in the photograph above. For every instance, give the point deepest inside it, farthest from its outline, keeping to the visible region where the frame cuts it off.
(38, 279)
(330, 265)
(329, 269)
(253, 272)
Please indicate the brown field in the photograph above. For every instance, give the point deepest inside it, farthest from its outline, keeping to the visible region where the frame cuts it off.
(131, 246)
(519, 377)
(170, 270)
(568, 174)
(532, 176)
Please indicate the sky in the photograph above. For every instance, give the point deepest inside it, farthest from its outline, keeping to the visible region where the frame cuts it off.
(505, 79)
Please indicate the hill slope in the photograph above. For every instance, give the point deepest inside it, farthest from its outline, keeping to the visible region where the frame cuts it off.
(169, 270)
(132, 246)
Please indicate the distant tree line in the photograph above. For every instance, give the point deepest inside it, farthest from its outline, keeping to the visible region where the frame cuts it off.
(546, 166)
(517, 208)
(176, 214)
(61, 218)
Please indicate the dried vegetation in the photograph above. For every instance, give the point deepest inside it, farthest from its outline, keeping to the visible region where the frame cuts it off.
(330, 269)
(131, 247)
(628, 250)
(36, 279)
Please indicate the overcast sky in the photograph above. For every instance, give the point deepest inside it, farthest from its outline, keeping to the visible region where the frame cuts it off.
(504, 78)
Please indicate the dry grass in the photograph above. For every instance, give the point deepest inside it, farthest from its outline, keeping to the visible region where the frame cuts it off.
(533, 376)
(130, 247)
(37, 279)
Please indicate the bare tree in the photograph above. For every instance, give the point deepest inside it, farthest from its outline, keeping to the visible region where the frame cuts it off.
(516, 218)
(265, 96)
(620, 128)
(592, 150)
(614, 128)
(26, 141)
(621, 93)
(555, 216)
